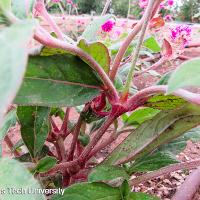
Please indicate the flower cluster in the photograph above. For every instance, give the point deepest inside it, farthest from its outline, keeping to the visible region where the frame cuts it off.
(68, 1)
(108, 26)
(181, 35)
(56, 1)
(143, 4)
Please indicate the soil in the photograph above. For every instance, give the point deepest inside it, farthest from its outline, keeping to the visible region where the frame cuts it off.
(163, 187)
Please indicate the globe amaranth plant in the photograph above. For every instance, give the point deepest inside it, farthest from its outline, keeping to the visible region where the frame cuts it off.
(47, 75)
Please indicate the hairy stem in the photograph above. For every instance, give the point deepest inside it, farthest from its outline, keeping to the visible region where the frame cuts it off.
(11, 145)
(61, 147)
(137, 99)
(104, 144)
(64, 127)
(129, 8)
(107, 142)
(40, 8)
(54, 126)
(62, 167)
(153, 67)
(128, 41)
(105, 9)
(138, 47)
(188, 189)
(85, 154)
(164, 171)
(76, 133)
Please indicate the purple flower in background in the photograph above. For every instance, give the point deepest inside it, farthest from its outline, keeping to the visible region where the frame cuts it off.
(56, 1)
(108, 26)
(162, 6)
(181, 34)
(143, 3)
(170, 2)
(168, 18)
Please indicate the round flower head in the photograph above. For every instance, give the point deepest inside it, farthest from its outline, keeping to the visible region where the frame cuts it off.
(69, 1)
(181, 34)
(56, 1)
(108, 26)
(170, 2)
(143, 3)
(168, 18)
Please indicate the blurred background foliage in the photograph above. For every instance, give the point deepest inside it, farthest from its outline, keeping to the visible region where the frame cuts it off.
(185, 10)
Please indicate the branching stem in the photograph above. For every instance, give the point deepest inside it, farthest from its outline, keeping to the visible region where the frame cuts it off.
(108, 2)
(147, 17)
(128, 41)
(136, 100)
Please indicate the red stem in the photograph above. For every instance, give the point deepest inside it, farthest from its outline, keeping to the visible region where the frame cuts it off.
(102, 145)
(40, 8)
(153, 67)
(64, 127)
(10, 145)
(128, 41)
(85, 154)
(144, 94)
(76, 133)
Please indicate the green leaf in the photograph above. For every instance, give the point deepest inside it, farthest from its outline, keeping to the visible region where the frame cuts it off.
(84, 139)
(99, 52)
(164, 79)
(9, 121)
(163, 128)
(97, 124)
(162, 102)
(27, 157)
(17, 145)
(90, 32)
(5, 5)
(34, 127)
(105, 173)
(90, 191)
(179, 144)
(58, 80)
(152, 162)
(140, 116)
(141, 196)
(15, 175)
(118, 83)
(152, 44)
(22, 9)
(13, 60)
(57, 112)
(185, 75)
(90, 116)
(24, 158)
(45, 164)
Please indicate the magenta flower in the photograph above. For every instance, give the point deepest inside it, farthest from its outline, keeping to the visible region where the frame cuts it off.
(69, 1)
(181, 34)
(168, 18)
(143, 3)
(170, 2)
(108, 26)
(162, 6)
(56, 1)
